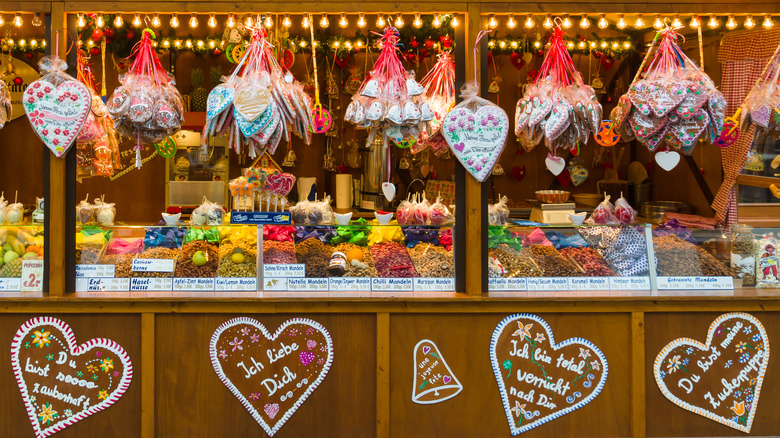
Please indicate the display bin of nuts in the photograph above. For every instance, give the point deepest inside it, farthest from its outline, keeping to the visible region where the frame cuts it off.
(315, 254)
(90, 245)
(359, 260)
(158, 253)
(432, 260)
(120, 253)
(513, 263)
(238, 251)
(392, 260)
(676, 256)
(552, 263)
(199, 255)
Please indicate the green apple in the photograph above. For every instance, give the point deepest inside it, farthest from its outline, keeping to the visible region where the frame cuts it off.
(10, 256)
(30, 255)
(199, 258)
(8, 247)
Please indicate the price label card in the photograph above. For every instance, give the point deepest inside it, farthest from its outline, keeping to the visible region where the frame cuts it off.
(224, 284)
(151, 284)
(676, 283)
(427, 284)
(153, 265)
(350, 284)
(695, 283)
(307, 284)
(193, 284)
(274, 284)
(10, 284)
(392, 284)
(589, 283)
(629, 283)
(95, 271)
(297, 270)
(547, 283)
(507, 284)
(32, 275)
(102, 284)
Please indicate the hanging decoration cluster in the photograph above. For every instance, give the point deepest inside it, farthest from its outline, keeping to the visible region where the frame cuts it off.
(259, 104)
(674, 103)
(439, 85)
(147, 106)
(761, 108)
(559, 107)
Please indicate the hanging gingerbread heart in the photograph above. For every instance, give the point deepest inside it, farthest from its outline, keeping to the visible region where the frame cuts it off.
(476, 138)
(57, 106)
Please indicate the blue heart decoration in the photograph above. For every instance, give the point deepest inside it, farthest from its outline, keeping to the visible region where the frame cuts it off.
(219, 98)
(251, 128)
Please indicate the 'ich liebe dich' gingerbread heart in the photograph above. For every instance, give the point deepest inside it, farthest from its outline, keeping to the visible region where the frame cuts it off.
(538, 379)
(271, 374)
(721, 378)
(62, 382)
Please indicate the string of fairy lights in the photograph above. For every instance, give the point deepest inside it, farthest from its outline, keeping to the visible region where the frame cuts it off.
(638, 21)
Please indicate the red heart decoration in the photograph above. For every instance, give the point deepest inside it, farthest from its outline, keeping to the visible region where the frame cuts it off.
(518, 172)
(564, 178)
(342, 62)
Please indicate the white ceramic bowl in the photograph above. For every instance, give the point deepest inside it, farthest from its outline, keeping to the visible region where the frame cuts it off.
(577, 218)
(384, 219)
(171, 219)
(343, 218)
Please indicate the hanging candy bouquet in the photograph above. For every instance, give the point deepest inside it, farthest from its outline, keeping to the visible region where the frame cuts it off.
(147, 106)
(389, 100)
(675, 103)
(559, 107)
(97, 144)
(259, 104)
(5, 103)
(439, 85)
(761, 108)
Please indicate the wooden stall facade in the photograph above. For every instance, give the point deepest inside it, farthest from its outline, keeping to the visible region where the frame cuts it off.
(175, 392)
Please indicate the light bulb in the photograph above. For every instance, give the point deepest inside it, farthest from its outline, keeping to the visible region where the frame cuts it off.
(188, 44)
(614, 45)
(454, 22)
(492, 22)
(502, 44)
(137, 20)
(212, 22)
(286, 22)
(174, 21)
(436, 21)
(212, 44)
(22, 43)
(731, 23)
(200, 44)
(566, 23)
(513, 44)
(99, 21)
(767, 22)
(380, 21)
(529, 22)
(118, 21)
(399, 21)
(248, 22)
(324, 21)
(537, 44)
(417, 23)
(627, 45)
(570, 45)
(361, 21)
(193, 21)
(80, 21)
(166, 43)
(268, 22)
(581, 45)
(694, 22)
(305, 22)
(639, 23)
(17, 20)
(584, 23)
(37, 21)
(713, 23)
(231, 22)
(603, 45)
(749, 23)
(343, 21)
(511, 23)
(621, 24)
(548, 23)
(156, 21)
(658, 24)
(33, 43)
(676, 22)
(602, 22)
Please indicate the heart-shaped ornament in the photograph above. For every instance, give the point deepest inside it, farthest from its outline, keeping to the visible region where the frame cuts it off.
(62, 382)
(721, 378)
(394, 115)
(272, 375)
(219, 99)
(374, 112)
(555, 164)
(477, 139)
(57, 114)
(689, 130)
(547, 379)
(666, 97)
(668, 160)
(371, 89)
(281, 183)
(411, 112)
(694, 99)
(388, 189)
(413, 88)
(251, 101)
(433, 382)
(426, 113)
(250, 127)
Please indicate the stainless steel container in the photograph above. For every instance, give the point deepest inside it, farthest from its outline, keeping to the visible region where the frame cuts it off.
(374, 174)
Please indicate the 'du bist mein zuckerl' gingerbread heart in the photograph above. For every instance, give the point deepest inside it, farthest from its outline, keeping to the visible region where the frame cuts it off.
(62, 382)
(271, 374)
(540, 380)
(721, 378)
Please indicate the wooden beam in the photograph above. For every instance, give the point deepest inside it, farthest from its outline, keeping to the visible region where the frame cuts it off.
(383, 375)
(638, 415)
(261, 7)
(147, 375)
(757, 181)
(25, 6)
(703, 186)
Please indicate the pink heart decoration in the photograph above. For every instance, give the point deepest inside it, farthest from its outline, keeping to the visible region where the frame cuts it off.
(476, 138)
(447, 379)
(426, 349)
(281, 183)
(311, 344)
(61, 111)
(84, 386)
(271, 409)
(306, 357)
